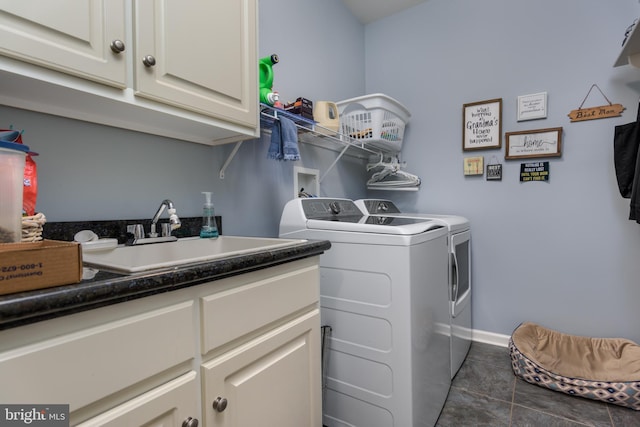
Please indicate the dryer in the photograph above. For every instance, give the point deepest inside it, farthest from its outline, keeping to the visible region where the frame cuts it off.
(459, 272)
(384, 293)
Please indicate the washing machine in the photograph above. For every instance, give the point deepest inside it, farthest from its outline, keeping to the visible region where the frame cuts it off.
(384, 294)
(459, 272)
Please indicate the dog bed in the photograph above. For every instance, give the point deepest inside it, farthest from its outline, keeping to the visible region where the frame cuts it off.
(606, 369)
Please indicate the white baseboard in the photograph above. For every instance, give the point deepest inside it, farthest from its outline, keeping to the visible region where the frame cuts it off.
(490, 338)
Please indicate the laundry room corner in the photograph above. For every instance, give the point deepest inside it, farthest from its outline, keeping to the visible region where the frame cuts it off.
(538, 253)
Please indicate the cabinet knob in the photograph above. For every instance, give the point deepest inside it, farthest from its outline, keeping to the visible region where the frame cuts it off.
(117, 46)
(190, 422)
(149, 61)
(220, 404)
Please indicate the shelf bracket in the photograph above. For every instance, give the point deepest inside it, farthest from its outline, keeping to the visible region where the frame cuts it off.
(344, 150)
(634, 60)
(230, 158)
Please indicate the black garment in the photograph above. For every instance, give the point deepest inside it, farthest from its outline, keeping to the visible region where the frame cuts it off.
(625, 153)
(634, 213)
(626, 157)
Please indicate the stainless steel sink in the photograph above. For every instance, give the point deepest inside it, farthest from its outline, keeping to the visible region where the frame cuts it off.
(133, 259)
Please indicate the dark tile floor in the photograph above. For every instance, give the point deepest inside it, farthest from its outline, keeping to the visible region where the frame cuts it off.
(485, 392)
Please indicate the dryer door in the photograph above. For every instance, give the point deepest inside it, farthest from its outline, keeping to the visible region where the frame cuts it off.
(460, 272)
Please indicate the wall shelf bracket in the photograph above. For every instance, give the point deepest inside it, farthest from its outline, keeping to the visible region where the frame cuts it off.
(230, 158)
(344, 150)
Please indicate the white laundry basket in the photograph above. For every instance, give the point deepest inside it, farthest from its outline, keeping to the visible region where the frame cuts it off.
(376, 120)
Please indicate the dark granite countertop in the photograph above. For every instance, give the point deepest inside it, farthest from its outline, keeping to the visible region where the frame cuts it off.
(107, 288)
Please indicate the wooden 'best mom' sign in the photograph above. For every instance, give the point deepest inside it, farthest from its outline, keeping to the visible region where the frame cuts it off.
(593, 113)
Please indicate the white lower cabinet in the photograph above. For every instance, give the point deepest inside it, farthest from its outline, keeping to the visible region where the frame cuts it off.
(171, 404)
(272, 381)
(261, 351)
(242, 351)
(93, 363)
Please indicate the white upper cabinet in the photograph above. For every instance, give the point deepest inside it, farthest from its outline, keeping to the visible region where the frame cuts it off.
(630, 53)
(205, 73)
(181, 69)
(67, 35)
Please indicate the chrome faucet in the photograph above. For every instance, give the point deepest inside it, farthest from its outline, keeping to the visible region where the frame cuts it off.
(137, 231)
(173, 218)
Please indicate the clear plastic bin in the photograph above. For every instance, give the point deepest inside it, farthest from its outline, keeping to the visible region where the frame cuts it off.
(376, 120)
(12, 161)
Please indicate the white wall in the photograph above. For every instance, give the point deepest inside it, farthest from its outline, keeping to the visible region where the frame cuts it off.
(561, 253)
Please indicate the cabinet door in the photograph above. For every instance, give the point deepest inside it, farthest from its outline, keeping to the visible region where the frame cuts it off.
(83, 367)
(204, 53)
(169, 405)
(272, 381)
(245, 302)
(66, 35)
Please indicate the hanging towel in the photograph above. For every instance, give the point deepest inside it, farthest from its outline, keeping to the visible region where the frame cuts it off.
(284, 140)
(275, 148)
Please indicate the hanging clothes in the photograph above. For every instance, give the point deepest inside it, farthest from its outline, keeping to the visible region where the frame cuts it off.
(626, 156)
(389, 175)
(626, 141)
(634, 213)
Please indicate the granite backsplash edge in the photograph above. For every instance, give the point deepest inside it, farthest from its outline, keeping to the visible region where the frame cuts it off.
(117, 229)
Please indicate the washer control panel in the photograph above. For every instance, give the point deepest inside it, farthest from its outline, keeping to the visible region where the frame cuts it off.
(380, 207)
(330, 209)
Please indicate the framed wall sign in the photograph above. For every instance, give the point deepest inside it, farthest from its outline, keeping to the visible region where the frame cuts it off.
(494, 171)
(534, 143)
(482, 125)
(531, 107)
(474, 165)
(538, 171)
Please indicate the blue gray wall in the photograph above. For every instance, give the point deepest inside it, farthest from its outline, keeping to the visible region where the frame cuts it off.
(561, 253)
(94, 172)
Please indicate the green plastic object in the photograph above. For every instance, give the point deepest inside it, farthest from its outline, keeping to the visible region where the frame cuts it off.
(265, 66)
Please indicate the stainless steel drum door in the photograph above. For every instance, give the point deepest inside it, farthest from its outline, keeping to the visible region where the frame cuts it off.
(460, 298)
(460, 272)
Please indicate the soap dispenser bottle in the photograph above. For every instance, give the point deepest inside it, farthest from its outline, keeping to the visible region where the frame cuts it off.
(209, 229)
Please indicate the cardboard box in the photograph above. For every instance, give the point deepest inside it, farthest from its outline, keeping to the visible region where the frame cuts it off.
(37, 265)
(302, 107)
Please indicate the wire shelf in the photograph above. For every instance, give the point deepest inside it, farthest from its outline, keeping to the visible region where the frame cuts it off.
(268, 114)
